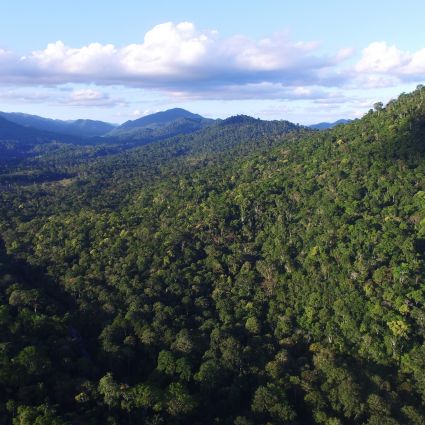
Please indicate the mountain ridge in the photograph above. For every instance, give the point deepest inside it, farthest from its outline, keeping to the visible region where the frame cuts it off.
(79, 127)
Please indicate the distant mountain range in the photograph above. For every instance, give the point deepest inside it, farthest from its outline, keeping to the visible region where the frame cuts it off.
(11, 131)
(79, 128)
(33, 129)
(24, 127)
(326, 125)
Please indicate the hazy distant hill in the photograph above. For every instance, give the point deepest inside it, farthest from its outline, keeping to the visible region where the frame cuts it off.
(80, 128)
(160, 125)
(326, 125)
(12, 131)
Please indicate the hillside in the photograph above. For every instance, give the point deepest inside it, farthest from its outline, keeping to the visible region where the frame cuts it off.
(248, 273)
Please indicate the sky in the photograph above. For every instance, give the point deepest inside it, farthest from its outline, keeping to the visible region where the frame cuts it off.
(303, 61)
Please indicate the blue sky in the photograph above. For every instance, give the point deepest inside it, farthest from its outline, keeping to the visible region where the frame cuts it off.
(304, 61)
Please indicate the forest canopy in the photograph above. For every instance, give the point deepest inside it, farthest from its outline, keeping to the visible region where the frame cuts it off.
(250, 272)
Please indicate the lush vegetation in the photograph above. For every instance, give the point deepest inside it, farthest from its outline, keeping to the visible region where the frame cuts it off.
(247, 273)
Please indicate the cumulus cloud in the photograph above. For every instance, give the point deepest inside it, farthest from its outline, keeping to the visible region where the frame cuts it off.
(378, 57)
(188, 63)
(167, 50)
(177, 58)
(383, 65)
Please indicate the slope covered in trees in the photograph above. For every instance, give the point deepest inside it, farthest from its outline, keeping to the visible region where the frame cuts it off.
(236, 275)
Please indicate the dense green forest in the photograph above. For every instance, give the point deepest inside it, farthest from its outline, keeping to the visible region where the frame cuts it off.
(250, 272)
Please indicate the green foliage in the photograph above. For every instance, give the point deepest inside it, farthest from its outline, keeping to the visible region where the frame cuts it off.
(240, 274)
(40, 415)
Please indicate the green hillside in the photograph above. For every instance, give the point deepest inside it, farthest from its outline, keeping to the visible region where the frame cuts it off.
(248, 273)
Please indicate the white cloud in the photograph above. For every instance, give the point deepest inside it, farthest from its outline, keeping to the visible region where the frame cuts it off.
(378, 57)
(416, 65)
(187, 63)
(176, 58)
(382, 65)
(58, 58)
(166, 49)
(268, 54)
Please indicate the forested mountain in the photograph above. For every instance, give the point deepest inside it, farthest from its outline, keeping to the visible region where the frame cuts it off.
(80, 128)
(161, 125)
(248, 273)
(159, 119)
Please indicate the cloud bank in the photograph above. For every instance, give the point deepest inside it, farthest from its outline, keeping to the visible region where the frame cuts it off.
(176, 58)
(187, 63)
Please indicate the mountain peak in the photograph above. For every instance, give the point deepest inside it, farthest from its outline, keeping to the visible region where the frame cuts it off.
(161, 118)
